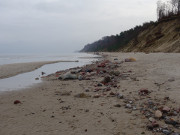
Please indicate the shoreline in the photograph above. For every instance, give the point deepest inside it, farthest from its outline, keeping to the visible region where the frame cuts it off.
(10, 70)
(92, 106)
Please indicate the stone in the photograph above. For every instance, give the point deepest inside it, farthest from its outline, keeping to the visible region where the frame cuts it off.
(116, 73)
(75, 71)
(165, 109)
(42, 73)
(129, 106)
(112, 94)
(151, 119)
(82, 95)
(99, 85)
(130, 60)
(80, 77)
(17, 102)
(158, 114)
(67, 76)
(106, 80)
(96, 96)
(120, 96)
(166, 132)
(37, 78)
(171, 122)
(87, 90)
(152, 125)
(134, 108)
(117, 105)
(143, 92)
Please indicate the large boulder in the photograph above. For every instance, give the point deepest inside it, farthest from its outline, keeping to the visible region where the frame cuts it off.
(68, 76)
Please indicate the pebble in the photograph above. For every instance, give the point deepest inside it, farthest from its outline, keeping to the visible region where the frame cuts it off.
(158, 114)
(17, 102)
(87, 110)
(152, 126)
(152, 119)
(120, 96)
(82, 95)
(143, 92)
(166, 132)
(96, 96)
(99, 84)
(106, 80)
(166, 109)
(87, 90)
(117, 105)
(171, 122)
(128, 106)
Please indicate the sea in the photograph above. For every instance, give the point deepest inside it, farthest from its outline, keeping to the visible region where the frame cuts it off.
(27, 79)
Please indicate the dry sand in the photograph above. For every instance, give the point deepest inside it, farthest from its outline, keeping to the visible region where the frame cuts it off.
(44, 111)
(9, 70)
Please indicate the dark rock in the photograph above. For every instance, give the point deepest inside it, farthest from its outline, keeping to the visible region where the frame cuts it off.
(87, 110)
(152, 126)
(89, 70)
(99, 84)
(17, 102)
(171, 122)
(87, 90)
(106, 80)
(117, 105)
(144, 92)
(42, 73)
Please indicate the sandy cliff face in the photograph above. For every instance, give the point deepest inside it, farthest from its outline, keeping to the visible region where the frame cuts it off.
(163, 36)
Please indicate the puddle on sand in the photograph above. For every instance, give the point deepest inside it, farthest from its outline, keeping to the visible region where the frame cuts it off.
(28, 79)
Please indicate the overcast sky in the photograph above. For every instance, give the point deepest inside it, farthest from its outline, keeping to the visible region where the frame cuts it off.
(66, 25)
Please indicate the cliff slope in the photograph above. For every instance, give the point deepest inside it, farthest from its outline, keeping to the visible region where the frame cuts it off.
(162, 36)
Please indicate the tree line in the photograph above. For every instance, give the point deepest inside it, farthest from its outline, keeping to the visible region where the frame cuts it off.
(168, 9)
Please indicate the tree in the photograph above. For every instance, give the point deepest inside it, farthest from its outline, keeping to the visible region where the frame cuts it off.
(168, 9)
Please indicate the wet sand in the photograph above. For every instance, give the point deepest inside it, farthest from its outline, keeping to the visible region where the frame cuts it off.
(10, 70)
(53, 107)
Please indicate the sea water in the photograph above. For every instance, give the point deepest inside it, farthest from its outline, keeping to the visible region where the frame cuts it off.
(25, 80)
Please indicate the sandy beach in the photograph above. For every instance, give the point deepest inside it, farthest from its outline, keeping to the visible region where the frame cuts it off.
(110, 97)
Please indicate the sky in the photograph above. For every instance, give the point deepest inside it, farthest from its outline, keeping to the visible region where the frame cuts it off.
(55, 26)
